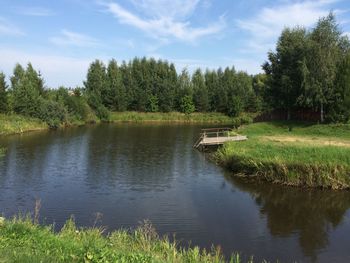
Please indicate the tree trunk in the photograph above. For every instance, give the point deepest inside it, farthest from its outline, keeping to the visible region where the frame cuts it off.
(322, 113)
(288, 115)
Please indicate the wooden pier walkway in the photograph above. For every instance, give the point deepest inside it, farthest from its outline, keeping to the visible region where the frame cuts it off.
(217, 136)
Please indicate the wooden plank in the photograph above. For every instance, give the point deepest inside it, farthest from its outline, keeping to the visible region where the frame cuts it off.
(221, 140)
(216, 129)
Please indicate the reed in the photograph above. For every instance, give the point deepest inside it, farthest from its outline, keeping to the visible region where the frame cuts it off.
(14, 124)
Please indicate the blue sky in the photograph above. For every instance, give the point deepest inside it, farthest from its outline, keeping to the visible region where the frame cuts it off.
(62, 37)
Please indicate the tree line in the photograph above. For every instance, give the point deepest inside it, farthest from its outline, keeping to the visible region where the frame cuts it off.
(310, 69)
(142, 84)
(149, 85)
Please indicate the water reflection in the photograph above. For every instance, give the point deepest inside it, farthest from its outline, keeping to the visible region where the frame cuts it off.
(132, 172)
(311, 214)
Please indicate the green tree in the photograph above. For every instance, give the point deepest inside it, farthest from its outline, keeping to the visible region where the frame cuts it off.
(200, 95)
(153, 104)
(95, 84)
(3, 94)
(115, 97)
(340, 110)
(27, 87)
(320, 68)
(187, 105)
(285, 69)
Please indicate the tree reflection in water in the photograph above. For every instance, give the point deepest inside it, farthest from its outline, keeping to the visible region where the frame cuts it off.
(311, 214)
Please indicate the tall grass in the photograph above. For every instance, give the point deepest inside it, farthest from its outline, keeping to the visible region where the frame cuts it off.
(309, 163)
(13, 123)
(21, 240)
(131, 116)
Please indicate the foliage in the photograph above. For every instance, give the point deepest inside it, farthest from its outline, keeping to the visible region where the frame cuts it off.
(26, 87)
(3, 94)
(75, 104)
(153, 104)
(148, 85)
(52, 113)
(187, 105)
(309, 70)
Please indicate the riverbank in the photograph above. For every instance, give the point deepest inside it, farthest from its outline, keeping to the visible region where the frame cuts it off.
(295, 154)
(16, 124)
(23, 241)
(132, 116)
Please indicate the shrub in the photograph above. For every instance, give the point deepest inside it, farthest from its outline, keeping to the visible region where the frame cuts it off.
(103, 113)
(52, 113)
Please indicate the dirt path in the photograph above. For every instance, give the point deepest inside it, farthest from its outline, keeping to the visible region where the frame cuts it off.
(317, 141)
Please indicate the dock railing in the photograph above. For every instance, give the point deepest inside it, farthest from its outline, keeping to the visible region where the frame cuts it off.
(212, 133)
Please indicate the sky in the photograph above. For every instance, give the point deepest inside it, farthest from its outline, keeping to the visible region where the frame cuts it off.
(61, 38)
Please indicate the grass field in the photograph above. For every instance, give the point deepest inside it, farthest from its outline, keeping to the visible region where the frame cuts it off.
(295, 154)
(21, 240)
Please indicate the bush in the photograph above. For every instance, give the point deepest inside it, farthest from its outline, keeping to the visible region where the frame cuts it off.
(102, 113)
(52, 113)
(242, 120)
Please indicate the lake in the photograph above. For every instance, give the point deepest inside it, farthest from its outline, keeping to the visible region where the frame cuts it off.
(132, 172)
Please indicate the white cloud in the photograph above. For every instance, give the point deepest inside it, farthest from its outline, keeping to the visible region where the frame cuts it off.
(173, 8)
(56, 70)
(268, 24)
(164, 22)
(8, 29)
(69, 38)
(34, 11)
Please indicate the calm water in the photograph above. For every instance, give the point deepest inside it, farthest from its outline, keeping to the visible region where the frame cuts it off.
(131, 172)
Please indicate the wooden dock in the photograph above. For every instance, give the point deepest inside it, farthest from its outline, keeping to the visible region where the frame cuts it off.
(217, 136)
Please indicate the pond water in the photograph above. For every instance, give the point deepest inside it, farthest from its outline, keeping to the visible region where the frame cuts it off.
(132, 172)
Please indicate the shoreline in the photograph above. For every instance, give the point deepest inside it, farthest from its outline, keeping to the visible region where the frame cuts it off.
(23, 239)
(311, 156)
(13, 124)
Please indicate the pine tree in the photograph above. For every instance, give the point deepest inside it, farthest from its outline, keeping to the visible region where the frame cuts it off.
(201, 96)
(115, 97)
(95, 84)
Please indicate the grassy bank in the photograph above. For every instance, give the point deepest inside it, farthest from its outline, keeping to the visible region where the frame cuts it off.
(23, 241)
(292, 153)
(131, 116)
(13, 124)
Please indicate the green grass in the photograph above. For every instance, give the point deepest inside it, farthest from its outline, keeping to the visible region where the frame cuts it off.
(308, 155)
(23, 241)
(131, 116)
(13, 124)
